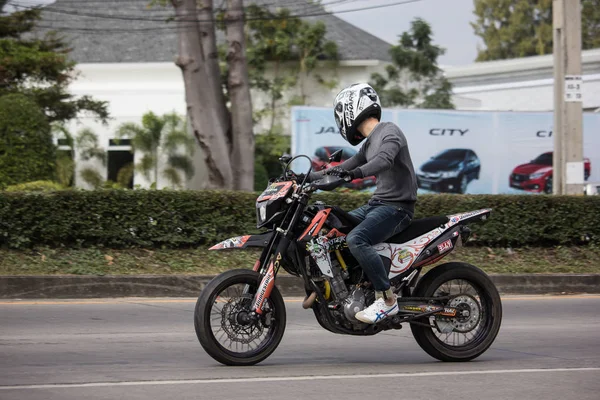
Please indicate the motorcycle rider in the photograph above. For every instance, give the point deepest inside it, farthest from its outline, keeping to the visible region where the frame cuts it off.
(385, 154)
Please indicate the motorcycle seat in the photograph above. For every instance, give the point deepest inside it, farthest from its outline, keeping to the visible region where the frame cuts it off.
(417, 228)
(346, 217)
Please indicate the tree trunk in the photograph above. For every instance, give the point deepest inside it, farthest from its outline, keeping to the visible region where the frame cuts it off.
(239, 92)
(202, 106)
(206, 29)
(273, 100)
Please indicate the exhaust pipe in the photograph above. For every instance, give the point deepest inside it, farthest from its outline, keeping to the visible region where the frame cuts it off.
(309, 300)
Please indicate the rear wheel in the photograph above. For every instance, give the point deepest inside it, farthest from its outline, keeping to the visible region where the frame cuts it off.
(225, 326)
(471, 332)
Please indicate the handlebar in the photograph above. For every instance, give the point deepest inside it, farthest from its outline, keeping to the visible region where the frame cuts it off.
(328, 182)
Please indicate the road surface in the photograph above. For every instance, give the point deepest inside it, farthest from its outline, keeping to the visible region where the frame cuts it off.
(548, 348)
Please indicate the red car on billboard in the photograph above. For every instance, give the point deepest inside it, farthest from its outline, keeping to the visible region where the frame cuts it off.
(321, 160)
(536, 176)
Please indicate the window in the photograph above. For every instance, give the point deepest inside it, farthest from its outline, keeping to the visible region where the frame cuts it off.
(119, 156)
(452, 154)
(543, 159)
(321, 154)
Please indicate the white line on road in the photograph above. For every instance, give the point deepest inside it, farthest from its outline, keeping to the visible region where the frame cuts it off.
(293, 378)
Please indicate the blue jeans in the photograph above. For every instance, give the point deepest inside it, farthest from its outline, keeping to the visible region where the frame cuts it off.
(379, 223)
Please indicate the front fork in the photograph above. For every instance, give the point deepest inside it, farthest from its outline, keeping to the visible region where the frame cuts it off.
(268, 281)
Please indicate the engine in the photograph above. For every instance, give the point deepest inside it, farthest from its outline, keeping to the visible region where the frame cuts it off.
(329, 270)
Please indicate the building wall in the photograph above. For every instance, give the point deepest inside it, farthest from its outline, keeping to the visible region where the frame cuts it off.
(525, 84)
(132, 89)
(537, 95)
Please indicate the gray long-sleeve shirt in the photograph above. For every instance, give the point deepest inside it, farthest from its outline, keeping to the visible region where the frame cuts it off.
(385, 155)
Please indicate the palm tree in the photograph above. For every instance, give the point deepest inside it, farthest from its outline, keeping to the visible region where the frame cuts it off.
(86, 143)
(157, 134)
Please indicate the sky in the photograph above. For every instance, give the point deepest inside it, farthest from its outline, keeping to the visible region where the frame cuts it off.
(449, 20)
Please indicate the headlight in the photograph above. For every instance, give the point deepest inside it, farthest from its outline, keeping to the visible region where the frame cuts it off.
(537, 175)
(263, 212)
(450, 174)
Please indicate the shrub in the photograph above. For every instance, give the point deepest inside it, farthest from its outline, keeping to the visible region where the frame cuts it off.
(27, 152)
(122, 218)
(36, 186)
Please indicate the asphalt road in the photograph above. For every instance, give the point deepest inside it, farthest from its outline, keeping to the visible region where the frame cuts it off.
(548, 348)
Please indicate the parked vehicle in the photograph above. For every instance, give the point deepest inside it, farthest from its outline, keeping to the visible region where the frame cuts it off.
(536, 176)
(454, 310)
(449, 171)
(320, 162)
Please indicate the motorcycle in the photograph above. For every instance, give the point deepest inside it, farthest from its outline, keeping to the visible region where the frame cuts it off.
(454, 310)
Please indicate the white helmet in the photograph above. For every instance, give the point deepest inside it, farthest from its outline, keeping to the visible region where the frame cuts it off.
(352, 106)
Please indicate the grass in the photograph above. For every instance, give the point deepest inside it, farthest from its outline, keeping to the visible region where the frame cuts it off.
(46, 261)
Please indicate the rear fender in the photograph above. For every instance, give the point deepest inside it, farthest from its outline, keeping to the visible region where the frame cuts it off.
(243, 242)
(468, 217)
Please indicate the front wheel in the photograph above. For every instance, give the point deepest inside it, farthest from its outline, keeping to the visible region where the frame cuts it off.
(548, 185)
(225, 326)
(479, 312)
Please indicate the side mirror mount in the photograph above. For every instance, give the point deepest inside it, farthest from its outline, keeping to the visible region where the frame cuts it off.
(336, 156)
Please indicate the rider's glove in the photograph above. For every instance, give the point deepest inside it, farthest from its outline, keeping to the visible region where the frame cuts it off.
(346, 175)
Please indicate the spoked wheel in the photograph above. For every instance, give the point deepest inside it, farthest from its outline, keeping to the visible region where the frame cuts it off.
(479, 313)
(225, 326)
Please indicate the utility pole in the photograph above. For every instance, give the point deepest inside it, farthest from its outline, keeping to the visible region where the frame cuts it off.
(568, 136)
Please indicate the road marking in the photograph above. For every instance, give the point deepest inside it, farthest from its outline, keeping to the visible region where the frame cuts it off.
(288, 300)
(293, 378)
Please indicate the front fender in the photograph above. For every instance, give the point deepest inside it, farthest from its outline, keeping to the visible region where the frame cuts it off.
(242, 242)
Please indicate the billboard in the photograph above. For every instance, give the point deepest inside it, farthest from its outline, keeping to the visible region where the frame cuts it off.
(473, 152)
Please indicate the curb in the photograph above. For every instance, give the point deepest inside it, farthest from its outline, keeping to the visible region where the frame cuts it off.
(75, 286)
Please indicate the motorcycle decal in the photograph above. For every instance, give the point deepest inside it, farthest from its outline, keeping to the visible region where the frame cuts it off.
(337, 243)
(230, 243)
(456, 218)
(256, 266)
(266, 285)
(316, 224)
(446, 312)
(319, 251)
(445, 246)
(275, 191)
(402, 256)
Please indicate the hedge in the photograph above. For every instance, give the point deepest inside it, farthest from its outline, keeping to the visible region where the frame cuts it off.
(172, 219)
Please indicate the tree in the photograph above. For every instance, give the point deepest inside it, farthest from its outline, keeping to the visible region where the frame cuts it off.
(278, 39)
(228, 152)
(238, 86)
(39, 68)
(87, 146)
(221, 120)
(522, 28)
(414, 79)
(161, 133)
(27, 152)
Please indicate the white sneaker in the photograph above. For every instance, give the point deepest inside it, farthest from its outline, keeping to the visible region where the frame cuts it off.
(376, 312)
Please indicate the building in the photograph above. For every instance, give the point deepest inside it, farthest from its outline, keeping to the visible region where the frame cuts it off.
(125, 54)
(523, 84)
